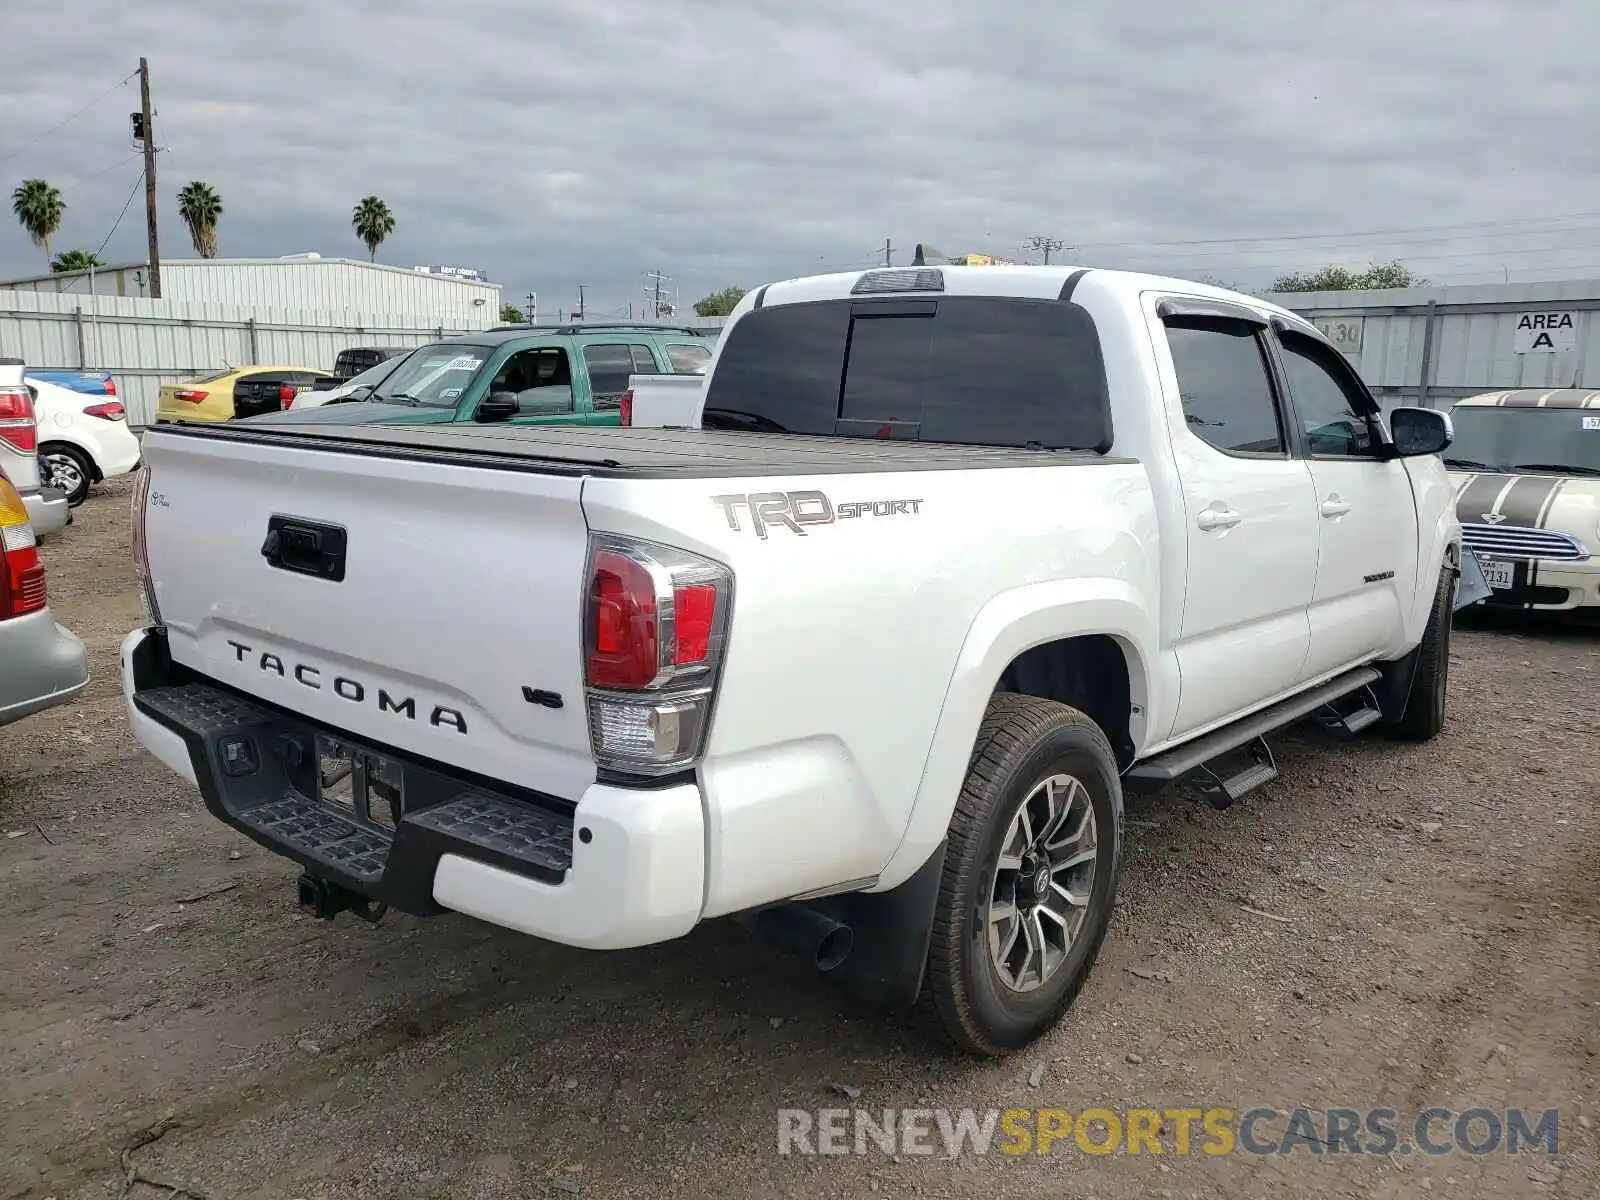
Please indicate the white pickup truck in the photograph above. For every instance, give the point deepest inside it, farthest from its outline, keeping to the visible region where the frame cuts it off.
(868, 660)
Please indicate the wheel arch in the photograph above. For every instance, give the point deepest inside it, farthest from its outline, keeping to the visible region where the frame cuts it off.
(1043, 639)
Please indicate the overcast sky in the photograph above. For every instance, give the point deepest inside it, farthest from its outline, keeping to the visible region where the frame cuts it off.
(558, 142)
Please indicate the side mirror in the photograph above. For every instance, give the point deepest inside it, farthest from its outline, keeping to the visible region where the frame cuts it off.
(501, 406)
(1420, 431)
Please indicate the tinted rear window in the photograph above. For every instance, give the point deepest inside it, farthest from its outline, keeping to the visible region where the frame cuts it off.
(978, 370)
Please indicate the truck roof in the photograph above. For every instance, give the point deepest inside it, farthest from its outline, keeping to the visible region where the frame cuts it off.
(1021, 282)
(636, 453)
(1567, 398)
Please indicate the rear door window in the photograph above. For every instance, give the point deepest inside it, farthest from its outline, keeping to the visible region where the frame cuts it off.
(977, 370)
(644, 362)
(609, 367)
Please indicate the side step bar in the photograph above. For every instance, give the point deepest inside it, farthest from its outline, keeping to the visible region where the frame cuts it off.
(1194, 760)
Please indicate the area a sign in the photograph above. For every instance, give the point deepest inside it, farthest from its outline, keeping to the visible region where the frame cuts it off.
(1545, 333)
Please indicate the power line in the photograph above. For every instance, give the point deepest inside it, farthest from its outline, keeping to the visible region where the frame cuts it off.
(28, 145)
(122, 162)
(137, 184)
(1355, 233)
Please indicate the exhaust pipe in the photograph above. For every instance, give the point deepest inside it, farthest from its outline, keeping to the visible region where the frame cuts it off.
(800, 930)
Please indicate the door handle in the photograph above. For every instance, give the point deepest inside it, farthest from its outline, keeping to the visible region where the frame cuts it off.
(1217, 518)
(1335, 506)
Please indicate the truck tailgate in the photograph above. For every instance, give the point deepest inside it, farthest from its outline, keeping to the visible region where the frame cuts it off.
(460, 589)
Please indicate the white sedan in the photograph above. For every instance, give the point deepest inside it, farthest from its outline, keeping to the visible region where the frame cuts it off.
(83, 439)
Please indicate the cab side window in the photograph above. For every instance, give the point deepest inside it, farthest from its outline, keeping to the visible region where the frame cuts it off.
(1333, 409)
(1225, 387)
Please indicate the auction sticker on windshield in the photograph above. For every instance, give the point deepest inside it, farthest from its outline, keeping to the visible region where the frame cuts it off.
(465, 363)
(1591, 422)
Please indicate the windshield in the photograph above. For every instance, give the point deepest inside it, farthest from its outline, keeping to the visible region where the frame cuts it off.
(1498, 439)
(433, 376)
(373, 376)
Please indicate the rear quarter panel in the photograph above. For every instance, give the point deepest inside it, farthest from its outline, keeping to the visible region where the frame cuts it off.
(846, 641)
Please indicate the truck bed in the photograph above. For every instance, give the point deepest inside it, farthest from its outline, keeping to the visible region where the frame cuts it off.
(637, 453)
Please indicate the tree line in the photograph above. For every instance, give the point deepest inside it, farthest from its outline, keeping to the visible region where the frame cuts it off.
(40, 208)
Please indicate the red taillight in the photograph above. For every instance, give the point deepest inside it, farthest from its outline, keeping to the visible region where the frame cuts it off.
(16, 419)
(625, 647)
(627, 408)
(285, 395)
(21, 572)
(111, 386)
(695, 610)
(107, 412)
(189, 395)
(653, 637)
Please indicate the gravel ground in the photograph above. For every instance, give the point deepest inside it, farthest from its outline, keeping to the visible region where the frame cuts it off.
(1383, 926)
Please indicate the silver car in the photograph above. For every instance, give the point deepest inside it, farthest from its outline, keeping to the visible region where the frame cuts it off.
(19, 457)
(42, 664)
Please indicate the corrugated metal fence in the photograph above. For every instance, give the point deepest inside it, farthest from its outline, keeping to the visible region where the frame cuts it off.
(146, 343)
(1432, 346)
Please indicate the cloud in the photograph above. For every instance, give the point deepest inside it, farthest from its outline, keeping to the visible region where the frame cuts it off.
(558, 142)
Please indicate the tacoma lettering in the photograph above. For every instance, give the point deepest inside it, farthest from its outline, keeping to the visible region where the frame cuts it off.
(347, 688)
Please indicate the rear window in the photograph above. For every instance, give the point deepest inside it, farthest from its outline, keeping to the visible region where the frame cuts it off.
(970, 369)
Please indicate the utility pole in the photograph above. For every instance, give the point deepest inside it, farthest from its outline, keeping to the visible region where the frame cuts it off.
(150, 179)
(655, 295)
(578, 316)
(533, 308)
(888, 253)
(1046, 244)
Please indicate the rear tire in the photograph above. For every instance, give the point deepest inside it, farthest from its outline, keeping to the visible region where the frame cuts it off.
(1426, 707)
(1046, 771)
(71, 469)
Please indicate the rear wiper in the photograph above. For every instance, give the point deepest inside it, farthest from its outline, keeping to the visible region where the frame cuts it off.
(1564, 468)
(1471, 464)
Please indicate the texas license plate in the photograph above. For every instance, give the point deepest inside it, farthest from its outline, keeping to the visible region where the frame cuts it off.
(1499, 575)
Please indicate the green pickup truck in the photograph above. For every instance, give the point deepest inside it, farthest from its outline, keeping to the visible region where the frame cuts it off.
(547, 375)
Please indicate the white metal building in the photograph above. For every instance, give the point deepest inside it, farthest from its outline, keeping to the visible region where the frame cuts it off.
(304, 283)
(1434, 345)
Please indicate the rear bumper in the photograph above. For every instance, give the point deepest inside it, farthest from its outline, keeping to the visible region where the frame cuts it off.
(48, 511)
(42, 664)
(620, 868)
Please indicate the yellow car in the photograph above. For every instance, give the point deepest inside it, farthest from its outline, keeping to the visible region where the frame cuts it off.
(237, 392)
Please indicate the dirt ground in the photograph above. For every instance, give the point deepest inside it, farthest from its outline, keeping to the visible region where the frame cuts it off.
(1383, 926)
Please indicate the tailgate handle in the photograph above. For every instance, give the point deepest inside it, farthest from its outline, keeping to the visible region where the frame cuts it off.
(305, 547)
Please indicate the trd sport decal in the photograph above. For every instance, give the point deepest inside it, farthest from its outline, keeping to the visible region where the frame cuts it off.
(796, 510)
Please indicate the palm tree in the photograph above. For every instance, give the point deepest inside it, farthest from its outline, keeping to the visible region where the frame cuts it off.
(200, 206)
(373, 222)
(39, 207)
(76, 260)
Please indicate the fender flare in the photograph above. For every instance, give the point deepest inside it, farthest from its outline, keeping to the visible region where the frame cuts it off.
(1009, 624)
